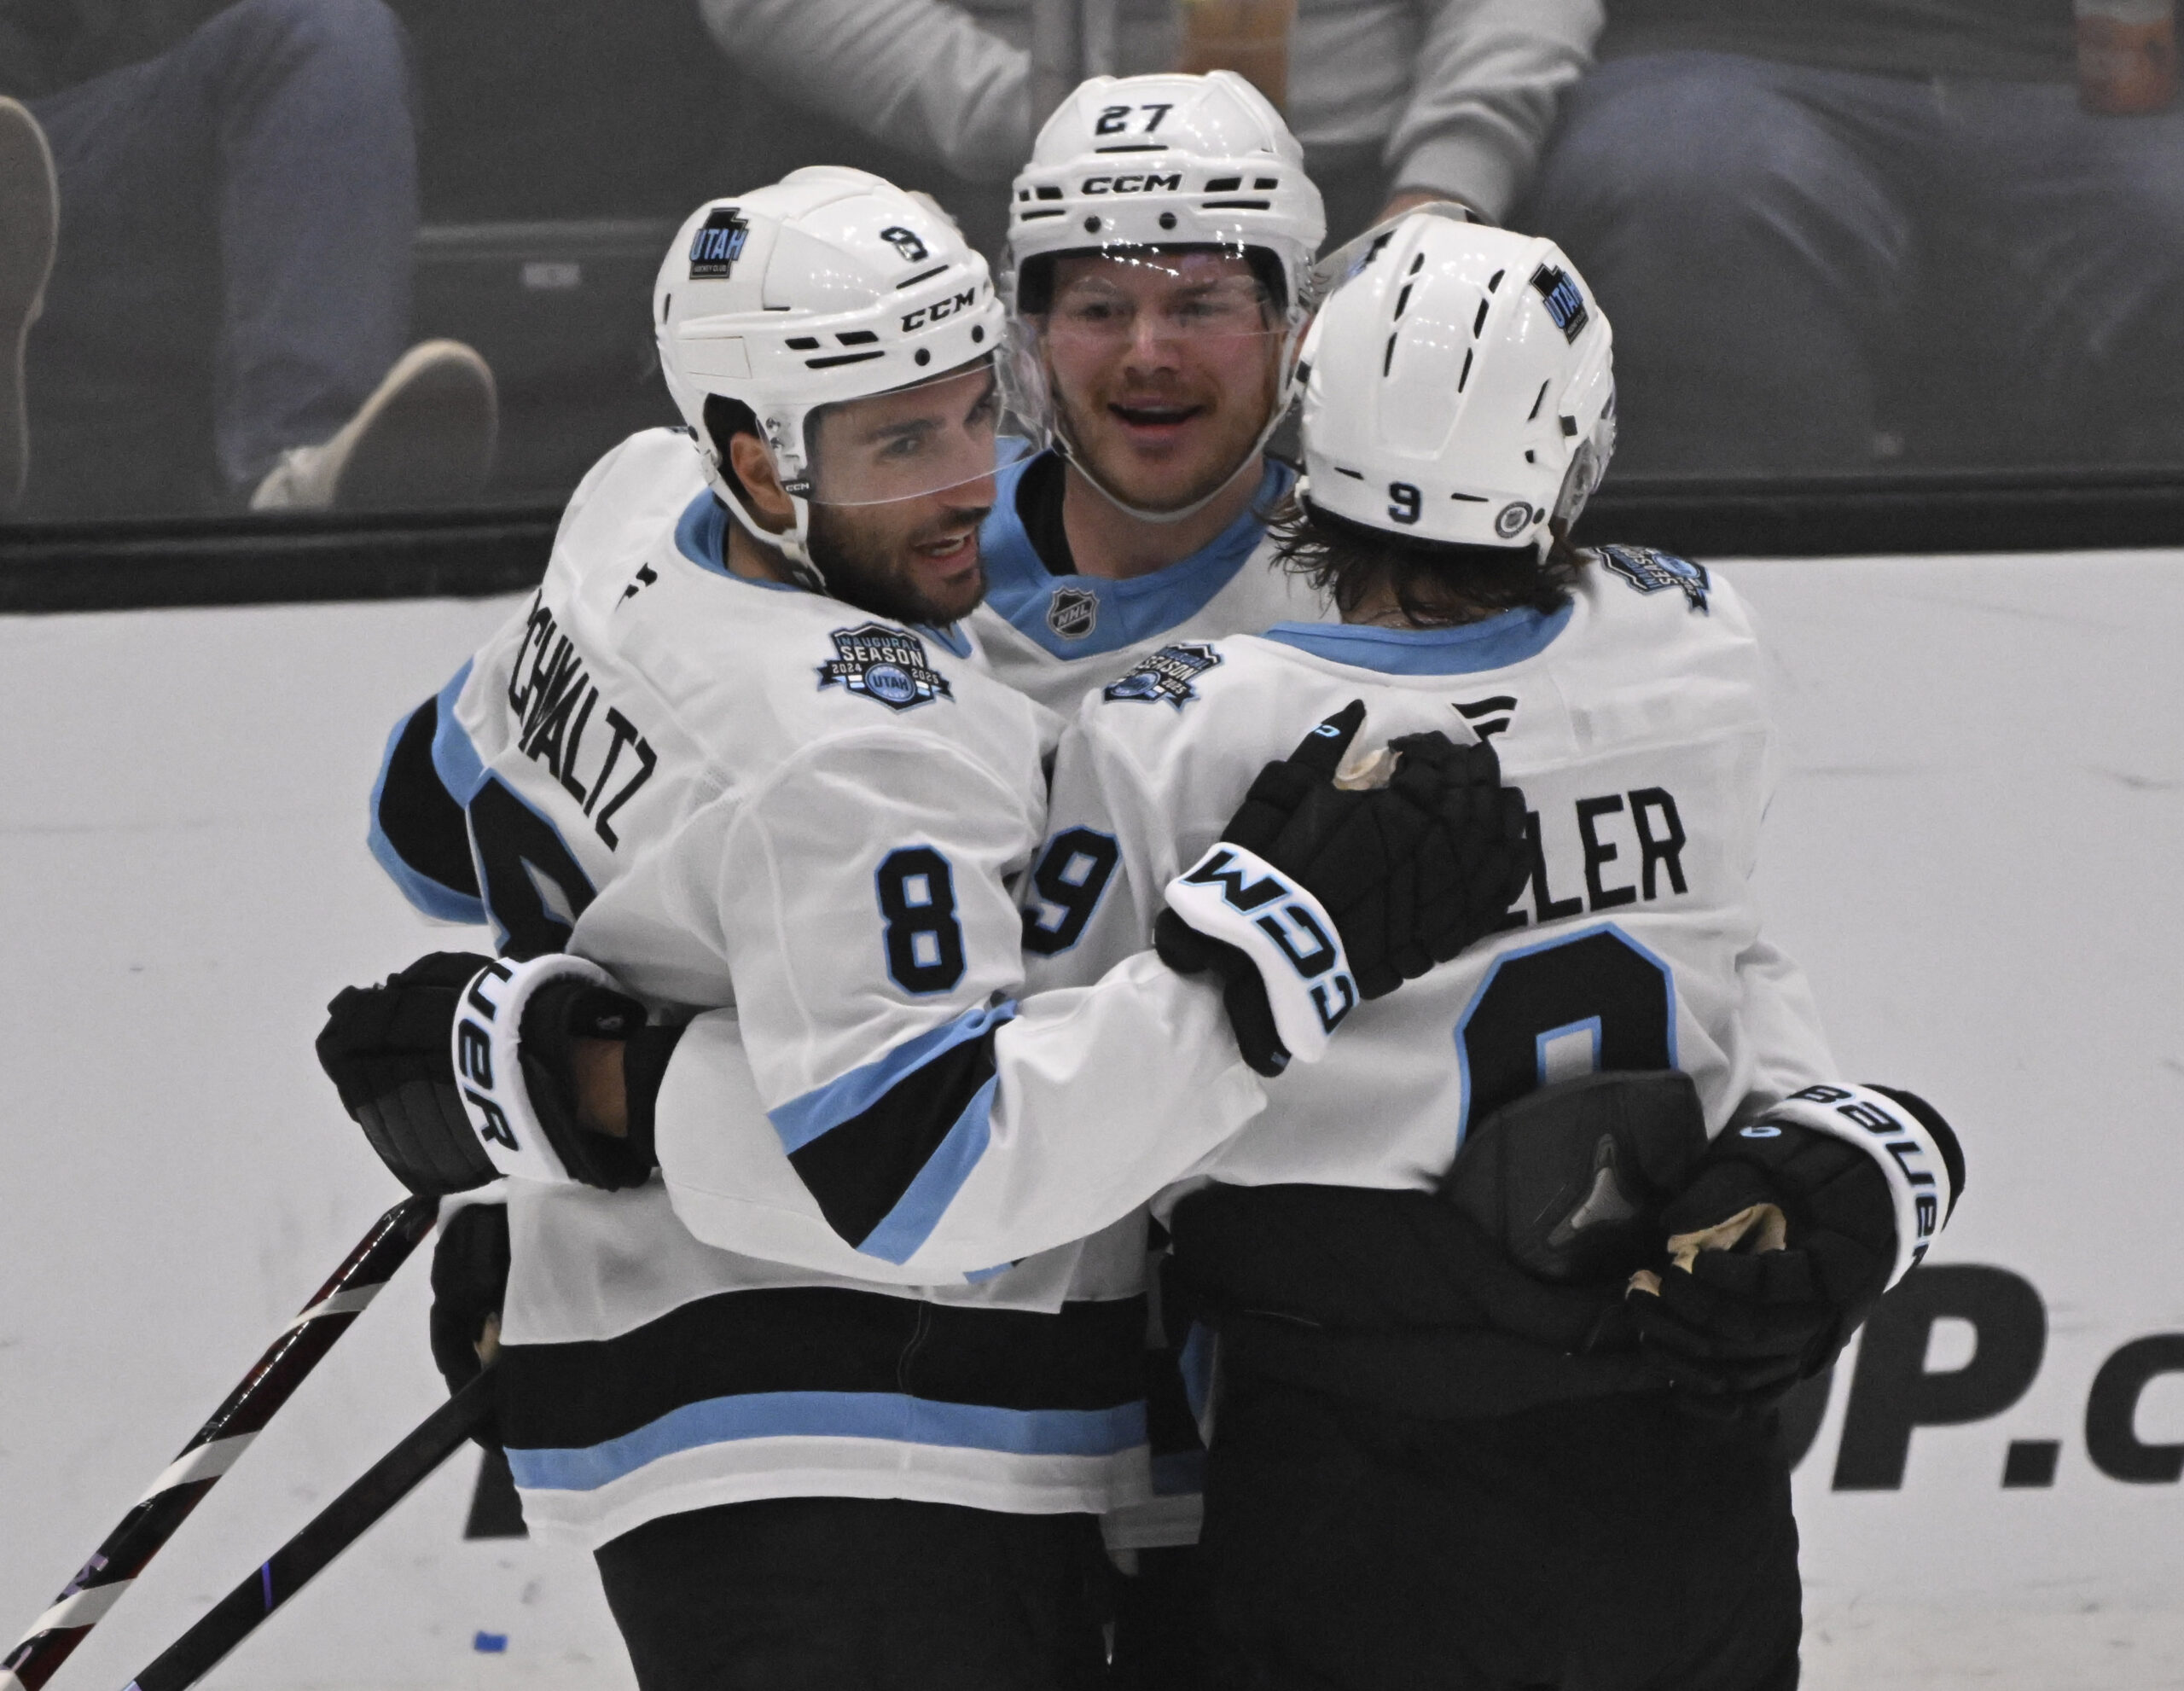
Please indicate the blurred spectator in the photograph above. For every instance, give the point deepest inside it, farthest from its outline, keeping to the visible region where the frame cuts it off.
(236, 198)
(1919, 244)
(1393, 99)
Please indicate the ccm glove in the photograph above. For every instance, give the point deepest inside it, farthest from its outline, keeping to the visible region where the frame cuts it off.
(1317, 895)
(385, 1049)
(470, 1283)
(1788, 1236)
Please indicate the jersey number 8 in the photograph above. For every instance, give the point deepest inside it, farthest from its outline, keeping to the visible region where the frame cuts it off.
(925, 942)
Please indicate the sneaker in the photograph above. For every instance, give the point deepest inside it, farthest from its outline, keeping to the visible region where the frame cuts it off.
(30, 222)
(425, 438)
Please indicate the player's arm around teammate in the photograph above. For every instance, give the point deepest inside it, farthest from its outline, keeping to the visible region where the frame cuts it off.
(1451, 1434)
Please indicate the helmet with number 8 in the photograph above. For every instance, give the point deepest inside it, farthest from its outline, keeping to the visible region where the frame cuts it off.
(1459, 384)
(830, 285)
(1160, 161)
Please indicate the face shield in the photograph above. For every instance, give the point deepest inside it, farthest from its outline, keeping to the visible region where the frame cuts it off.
(1354, 255)
(1181, 352)
(926, 441)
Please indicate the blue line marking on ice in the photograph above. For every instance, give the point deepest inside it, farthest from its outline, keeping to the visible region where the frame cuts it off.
(890, 1415)
(490, 1643)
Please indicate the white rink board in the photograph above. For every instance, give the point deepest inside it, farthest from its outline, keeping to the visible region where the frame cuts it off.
(1975, 852)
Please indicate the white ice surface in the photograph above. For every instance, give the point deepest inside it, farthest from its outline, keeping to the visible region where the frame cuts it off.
(1976, 852)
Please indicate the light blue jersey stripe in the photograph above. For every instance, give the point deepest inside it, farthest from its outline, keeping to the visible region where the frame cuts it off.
(906, 1227)
(893, 1416)
(1465, 649)
(420, 889)
(803, 1120)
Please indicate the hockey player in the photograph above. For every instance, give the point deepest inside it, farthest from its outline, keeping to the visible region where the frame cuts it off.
(1160, 244)
(1455, 1442)
(740, 758)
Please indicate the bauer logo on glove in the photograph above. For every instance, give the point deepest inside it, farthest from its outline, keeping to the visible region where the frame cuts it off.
(488, 1067)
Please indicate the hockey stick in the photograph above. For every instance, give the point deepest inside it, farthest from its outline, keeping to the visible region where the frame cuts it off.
(394, 1477)
(272, 1380)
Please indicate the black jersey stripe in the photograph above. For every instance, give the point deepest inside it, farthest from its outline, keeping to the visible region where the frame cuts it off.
(418, 815)
(821, 1339)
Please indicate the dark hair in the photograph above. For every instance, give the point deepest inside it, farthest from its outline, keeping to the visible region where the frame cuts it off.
(1035, 283)
(725, 417)
(1435, 581)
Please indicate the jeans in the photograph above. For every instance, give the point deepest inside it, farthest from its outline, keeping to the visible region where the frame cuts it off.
(233, 275)
(1812, 271)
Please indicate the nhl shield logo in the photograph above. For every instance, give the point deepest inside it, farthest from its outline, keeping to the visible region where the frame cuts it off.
(1073, 613)
(1166, 674)
(1652, 572)
(885, 665)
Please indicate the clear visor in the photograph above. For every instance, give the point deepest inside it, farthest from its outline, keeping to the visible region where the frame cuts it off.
(918, 442)
(1353, 256)
(1203, 298)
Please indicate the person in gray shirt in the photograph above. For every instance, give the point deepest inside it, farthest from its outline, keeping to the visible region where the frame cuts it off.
(1395, 101)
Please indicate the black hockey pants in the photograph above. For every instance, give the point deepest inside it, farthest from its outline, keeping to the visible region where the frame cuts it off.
(1613, 1544)
(844, 1593)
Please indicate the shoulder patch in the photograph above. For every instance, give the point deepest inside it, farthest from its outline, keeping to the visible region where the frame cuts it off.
(1650, 572)
(1166, 674)
(885, 665)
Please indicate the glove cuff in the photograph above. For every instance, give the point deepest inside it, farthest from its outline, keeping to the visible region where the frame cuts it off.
(488, 1067)
(1920, 1177)
(1235, 895)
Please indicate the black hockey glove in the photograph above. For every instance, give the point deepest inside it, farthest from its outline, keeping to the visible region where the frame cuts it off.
(1408, 874)
(385, 1049)
(1780, 1245)
(388, 1050)
(470, 1283)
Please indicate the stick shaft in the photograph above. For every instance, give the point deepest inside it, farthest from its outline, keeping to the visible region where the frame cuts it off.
(102, 1580)
(394, 1477)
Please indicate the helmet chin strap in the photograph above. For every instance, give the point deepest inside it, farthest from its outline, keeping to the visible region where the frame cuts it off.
(792, 545)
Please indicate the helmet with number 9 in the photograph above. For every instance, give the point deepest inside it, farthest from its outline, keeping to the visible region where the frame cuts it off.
(1459, 384)
(830, 285)
(1166, 161)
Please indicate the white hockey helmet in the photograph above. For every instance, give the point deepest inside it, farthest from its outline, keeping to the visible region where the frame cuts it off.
(1165, 160)
(1459, 384)
(830, 285)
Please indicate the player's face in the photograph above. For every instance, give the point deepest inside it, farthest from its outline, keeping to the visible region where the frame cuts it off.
(900, 483)
(1163, 369)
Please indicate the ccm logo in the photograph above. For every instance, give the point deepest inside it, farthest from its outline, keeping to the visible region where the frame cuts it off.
(1132, 184)
(940, 308)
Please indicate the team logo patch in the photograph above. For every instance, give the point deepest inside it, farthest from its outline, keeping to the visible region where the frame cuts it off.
(718, 244)
(1564, 304)
(1513, 519)
(1073, 613)
(1652, 572)
(884, 664)
(1167, 674)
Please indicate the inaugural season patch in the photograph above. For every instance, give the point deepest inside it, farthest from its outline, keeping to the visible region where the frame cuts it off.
(1167, 674)
(1650, 572)
(1074, 612)
(884, 664)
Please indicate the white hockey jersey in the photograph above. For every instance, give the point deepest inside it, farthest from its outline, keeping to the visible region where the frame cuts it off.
(1634, 722)
(763, 805)
(1061, 638)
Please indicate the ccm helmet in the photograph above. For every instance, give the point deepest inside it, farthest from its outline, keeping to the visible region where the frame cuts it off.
(831, 285)
(1168, 160)
(1459, 384)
